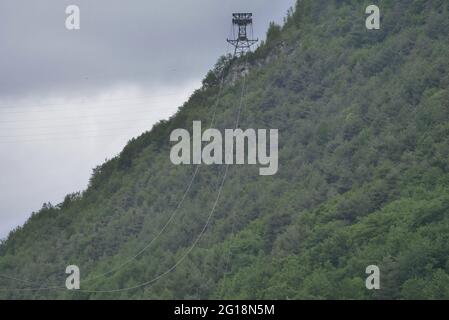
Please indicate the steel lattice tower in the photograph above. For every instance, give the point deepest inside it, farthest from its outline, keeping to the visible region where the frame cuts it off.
(241, 22)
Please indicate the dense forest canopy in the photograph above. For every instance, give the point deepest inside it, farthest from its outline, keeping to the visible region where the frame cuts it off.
(363, 119)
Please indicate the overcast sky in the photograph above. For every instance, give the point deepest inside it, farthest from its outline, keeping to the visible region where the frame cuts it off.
(71, 99)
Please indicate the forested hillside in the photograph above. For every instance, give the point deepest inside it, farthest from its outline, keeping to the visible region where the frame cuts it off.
(363, 119)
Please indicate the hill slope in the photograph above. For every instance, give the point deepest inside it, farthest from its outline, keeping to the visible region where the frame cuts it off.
(363, 119)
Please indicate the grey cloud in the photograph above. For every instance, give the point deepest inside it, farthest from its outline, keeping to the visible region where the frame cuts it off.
(136, 41)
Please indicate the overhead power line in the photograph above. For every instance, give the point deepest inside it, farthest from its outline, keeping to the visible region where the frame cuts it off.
(96, 115)
(84, 101)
